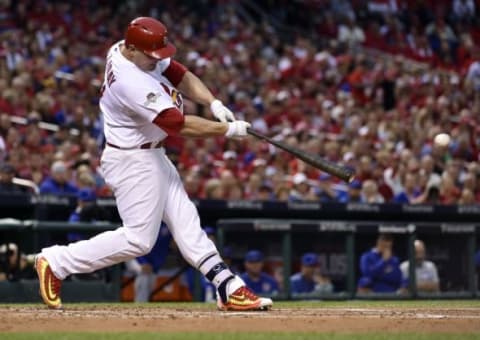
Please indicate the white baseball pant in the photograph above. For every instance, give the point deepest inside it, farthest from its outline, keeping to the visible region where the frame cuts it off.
(148, 189)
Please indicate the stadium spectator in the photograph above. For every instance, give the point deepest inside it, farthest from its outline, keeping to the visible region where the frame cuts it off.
(254, 276)
(353, 194)
(370, 192)
(426, 273)
(367, 104)
(350, 34)
(58, 183)
(301, 189)
(310, 279)
(379, 268)
(411, 189)
(15, 265)
(463, 10)
(86, 211)
(7, 173)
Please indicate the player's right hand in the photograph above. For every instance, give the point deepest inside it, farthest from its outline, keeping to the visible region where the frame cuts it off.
(237, 128)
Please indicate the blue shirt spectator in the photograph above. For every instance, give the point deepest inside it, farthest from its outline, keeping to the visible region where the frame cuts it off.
(84, 197)
(380, 269)
(353, 194)
(309, 279)
(254, 277)
(410, 190)
(58, 184)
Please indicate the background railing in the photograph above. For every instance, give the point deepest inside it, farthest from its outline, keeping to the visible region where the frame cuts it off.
(339, 233)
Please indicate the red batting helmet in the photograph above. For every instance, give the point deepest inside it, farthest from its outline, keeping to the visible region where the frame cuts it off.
(149, 36)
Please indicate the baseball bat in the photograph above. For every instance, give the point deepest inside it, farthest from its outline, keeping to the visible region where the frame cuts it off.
(329, 167)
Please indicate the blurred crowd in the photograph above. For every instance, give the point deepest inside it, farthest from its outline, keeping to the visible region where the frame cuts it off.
(372, 111)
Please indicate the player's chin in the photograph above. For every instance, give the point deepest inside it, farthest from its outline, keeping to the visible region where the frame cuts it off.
(148, 67)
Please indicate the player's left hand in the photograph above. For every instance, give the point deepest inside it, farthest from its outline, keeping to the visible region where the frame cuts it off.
(221, 112)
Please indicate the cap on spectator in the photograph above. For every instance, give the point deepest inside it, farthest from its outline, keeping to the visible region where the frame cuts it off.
(299, 178)
(355, 184)
(310, 259)
(7, 168)
(87, 195)
(254, 256)
(229, 155)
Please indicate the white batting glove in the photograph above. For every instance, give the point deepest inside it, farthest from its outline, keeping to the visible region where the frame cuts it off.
(237, 128)
(221, 112)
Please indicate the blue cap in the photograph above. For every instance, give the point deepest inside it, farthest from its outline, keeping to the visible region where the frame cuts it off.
(309, 259)
(87, 195)
(209, 230)
(355, 184)
(254, 256)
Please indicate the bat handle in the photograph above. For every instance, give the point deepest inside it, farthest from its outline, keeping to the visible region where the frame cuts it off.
(252, 132)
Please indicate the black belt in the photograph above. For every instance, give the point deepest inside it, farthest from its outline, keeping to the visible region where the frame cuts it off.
(149, 145)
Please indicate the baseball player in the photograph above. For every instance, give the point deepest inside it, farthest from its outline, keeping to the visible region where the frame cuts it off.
(142, 103)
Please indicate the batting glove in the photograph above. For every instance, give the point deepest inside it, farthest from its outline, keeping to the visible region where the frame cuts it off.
(237, 128)
(221, 112)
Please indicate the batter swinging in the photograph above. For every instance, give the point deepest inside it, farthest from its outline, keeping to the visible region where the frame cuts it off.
(142, 104)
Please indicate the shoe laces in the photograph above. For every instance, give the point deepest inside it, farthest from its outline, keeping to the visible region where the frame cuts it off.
(248, 293)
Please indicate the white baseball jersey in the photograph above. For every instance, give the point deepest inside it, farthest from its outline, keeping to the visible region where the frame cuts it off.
(129, 110)
(426, 273)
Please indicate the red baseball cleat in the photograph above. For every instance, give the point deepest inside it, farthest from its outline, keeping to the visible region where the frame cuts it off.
(243, 299)
(50, 286)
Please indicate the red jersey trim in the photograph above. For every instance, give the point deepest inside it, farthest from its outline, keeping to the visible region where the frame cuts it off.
(175, 72)
(170, 120)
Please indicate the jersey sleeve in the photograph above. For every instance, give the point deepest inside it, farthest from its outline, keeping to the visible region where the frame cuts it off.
(175, 72)
(143, 97)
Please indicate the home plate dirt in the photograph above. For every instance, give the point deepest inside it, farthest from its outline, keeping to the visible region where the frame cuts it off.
(151, 319)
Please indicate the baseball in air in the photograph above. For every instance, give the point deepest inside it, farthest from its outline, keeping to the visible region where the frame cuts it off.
(442, 140)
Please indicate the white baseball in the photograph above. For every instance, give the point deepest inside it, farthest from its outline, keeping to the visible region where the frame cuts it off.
(442, 139)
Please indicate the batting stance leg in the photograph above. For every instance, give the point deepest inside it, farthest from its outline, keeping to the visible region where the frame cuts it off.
(147, 188)
(138, 180)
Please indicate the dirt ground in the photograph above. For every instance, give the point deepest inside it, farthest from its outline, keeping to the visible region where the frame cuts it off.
(111, 319)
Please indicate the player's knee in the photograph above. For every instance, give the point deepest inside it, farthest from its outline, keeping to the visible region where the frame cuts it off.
(141, 248)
